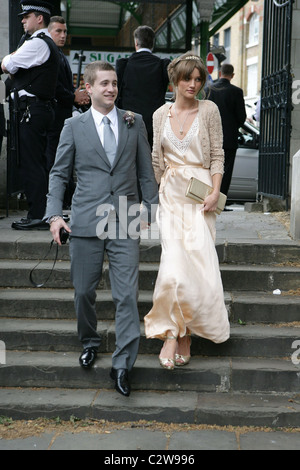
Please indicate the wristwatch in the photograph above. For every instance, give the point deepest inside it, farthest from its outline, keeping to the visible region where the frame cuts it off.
(53, 218)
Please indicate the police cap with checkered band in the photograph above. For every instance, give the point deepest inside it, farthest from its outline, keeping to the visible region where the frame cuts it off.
(28, 6)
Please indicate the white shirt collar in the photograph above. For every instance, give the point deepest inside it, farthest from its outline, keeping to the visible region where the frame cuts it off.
(144, 49)
(112, 115)
(43, 30)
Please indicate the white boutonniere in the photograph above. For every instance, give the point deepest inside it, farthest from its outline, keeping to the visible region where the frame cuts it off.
(129, 118)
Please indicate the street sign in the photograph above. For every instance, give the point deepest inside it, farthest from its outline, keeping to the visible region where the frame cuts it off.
(210, 62)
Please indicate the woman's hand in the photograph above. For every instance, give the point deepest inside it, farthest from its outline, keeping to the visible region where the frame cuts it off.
(211, 202)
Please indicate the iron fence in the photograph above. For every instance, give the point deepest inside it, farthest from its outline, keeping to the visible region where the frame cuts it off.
(276, 87)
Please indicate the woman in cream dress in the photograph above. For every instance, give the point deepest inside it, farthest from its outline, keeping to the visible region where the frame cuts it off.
(188, 296)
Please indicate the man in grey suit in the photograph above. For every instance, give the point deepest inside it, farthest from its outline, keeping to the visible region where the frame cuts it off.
(109, 159)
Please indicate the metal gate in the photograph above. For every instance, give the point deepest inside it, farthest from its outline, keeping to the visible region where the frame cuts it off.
(276, 86)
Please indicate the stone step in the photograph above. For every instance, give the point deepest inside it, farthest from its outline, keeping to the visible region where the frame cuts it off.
(261, 307)
(258, 252)
(251, 307)
(20, 246)
(40, 248)
(61, 335)
(203, 374)
(260, 278)
(59, 304)
(222, 409)
(15, 273)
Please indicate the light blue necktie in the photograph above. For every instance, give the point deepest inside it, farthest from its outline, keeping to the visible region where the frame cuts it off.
(110, 145)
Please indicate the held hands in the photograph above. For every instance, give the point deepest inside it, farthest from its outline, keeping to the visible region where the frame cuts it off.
(81, 97)
(145, 225)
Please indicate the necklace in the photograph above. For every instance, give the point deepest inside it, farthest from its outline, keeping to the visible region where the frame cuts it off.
(181, 126)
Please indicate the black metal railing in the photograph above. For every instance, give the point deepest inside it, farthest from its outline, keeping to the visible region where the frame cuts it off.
(276, 88)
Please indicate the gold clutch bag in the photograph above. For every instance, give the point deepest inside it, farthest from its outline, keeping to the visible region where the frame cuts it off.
(199, 191)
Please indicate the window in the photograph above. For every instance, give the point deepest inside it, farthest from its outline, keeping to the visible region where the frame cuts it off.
(227, 43)
(216, 39)
(252, 80)
(254, 29)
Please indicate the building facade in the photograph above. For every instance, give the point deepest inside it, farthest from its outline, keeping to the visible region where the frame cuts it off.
(241, 37)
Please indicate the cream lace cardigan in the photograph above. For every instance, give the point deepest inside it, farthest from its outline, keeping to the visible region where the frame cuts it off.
(210, 135)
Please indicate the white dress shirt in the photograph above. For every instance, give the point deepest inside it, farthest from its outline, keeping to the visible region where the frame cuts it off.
(144, 49)
(98, 119)
(32, 53)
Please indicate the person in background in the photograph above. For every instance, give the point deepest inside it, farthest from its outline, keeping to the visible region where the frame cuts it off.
(66, 98)
(34, 70)
(2, 117)
(256, 115)
(142, 78)
(230, 101)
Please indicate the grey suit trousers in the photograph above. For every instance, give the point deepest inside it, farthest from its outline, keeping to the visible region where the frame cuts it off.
(87, 254)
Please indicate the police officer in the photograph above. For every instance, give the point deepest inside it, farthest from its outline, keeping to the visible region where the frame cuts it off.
(34, 71)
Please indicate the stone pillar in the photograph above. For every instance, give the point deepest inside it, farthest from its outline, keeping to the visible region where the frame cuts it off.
(295, 53)
(295, 198)
(295, 137)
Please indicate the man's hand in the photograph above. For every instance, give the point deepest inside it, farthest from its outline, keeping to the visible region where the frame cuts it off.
(145, 225)
(3, 68)
(81, 97)
(55, 229)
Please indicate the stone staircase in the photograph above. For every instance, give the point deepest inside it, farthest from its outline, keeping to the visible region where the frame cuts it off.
(249, 380)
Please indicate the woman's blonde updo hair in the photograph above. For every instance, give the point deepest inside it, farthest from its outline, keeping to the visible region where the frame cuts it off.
(182, 67)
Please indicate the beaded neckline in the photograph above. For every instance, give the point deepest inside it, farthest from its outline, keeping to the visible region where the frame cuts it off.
(182, 145)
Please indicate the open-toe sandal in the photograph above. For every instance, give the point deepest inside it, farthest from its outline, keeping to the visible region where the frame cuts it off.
(181, 360)
(168, 363)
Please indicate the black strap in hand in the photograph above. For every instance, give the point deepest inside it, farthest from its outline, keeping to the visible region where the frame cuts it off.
(63, 238)
(31, 272)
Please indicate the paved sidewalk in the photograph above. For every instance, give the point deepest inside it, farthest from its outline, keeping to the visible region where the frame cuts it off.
(234, 225)
(148, 437)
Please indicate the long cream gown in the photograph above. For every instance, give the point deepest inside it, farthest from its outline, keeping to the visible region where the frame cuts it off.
(188, 291)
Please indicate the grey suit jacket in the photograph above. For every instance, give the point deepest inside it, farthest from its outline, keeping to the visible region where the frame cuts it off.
(99, 185)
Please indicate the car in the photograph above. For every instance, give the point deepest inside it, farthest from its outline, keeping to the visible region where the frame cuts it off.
(244, 182)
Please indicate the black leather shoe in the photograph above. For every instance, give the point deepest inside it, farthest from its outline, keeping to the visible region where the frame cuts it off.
(88, 357)
(30, 224)
(120, 376)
